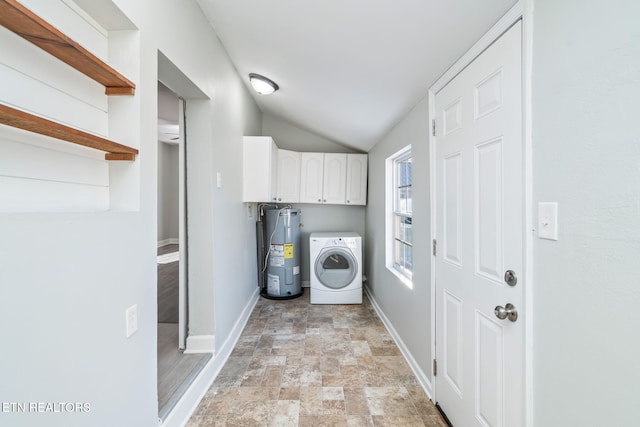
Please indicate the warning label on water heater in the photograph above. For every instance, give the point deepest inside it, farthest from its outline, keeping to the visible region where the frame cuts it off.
(277, 255)
(288, 250)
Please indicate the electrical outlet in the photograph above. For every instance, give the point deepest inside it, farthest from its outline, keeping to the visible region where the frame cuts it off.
(132, 320)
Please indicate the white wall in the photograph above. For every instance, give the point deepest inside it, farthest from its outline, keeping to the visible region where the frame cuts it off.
(318, 218)
(407, 309)
(586, 59)
(66, 279)
(168, 168)
(222, 277)
(167, 191)
(35, 168)
(586, 151)
(291, 137)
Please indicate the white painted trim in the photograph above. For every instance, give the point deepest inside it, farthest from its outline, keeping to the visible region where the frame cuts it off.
(527, 127)
(236, 331)
(183, 267)
(432, 202)
(480, 46)
(521, 10)
(389, 216)
(188, 403)
(180, 414)
(166, 242)
(419, 373)
(200, 344)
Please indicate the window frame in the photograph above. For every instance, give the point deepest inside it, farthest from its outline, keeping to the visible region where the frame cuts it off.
(396, 215)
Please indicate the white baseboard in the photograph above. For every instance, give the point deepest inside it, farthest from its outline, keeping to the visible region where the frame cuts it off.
(201, 344)
(166, 242)
(422, 378)
(227, 346)
(183, 410)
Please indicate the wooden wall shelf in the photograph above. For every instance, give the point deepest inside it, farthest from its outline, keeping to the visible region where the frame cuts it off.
(23, 120)
(31, 27)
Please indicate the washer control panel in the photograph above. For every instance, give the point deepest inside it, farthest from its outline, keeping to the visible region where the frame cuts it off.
(348, 242)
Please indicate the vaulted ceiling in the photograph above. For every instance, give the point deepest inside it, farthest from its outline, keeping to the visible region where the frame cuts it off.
(348, 70)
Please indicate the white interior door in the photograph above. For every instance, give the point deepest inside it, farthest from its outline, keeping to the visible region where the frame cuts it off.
(479, 233)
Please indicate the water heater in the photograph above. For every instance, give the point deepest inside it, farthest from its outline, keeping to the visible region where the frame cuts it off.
(282, 244)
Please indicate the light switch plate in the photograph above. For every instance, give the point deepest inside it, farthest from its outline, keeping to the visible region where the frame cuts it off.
(132, 320)
(219, 180)
(249, 211)
(548, 220)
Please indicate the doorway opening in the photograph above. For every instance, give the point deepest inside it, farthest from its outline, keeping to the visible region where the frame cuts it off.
(176, 369)
(181, 355)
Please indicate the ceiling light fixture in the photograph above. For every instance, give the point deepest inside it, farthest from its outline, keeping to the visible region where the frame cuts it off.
(262, 85)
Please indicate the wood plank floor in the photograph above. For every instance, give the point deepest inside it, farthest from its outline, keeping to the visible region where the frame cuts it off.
(176, 370)
(168, 287)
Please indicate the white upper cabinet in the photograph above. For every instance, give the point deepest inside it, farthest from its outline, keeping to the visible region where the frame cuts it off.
(260, 156)
(272, 175)
(334, 179)
(356, 179)
(288, 187)
(311, 173)
(323, 178)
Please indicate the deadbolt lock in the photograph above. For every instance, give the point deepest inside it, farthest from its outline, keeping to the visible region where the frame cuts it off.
(510, 278)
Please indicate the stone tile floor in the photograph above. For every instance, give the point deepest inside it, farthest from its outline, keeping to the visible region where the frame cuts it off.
(298, 364)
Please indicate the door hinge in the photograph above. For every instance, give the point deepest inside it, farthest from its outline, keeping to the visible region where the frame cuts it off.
(433, 127)
(435, 367)
(434, 247)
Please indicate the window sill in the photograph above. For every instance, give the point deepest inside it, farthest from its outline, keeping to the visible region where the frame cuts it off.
(407, 281)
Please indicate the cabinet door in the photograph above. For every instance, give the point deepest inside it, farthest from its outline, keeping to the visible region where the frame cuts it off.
(273, 171)
(335, 177)
(356, 179)
(311, 171)
(288, 188)
(259, 154)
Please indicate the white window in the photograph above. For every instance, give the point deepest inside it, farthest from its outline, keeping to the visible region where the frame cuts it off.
(400, 214)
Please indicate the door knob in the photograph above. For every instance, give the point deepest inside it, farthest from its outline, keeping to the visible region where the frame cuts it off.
(506, 312)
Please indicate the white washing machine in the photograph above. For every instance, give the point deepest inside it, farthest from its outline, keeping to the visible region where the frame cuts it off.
(336, 268)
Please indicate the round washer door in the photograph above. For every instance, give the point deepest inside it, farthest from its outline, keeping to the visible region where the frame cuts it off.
(336, 267)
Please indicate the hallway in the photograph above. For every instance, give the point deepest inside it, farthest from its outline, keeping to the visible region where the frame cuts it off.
(298, 364)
